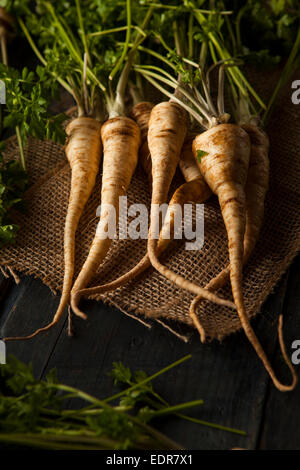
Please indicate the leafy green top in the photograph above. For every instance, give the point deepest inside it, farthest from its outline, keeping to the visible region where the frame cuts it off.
(28, 95)
(33, 413)
(81, 42)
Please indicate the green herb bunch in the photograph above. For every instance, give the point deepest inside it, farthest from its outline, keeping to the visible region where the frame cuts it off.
(33, 413)
(82, 43)
(28, 95)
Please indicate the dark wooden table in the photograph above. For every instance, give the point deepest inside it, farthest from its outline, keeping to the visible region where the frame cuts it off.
(229, 377)
(236, 390)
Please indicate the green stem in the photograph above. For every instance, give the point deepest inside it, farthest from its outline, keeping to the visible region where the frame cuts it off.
(127, 39)
(157, 55)
(163, 43)
(176, 39)
(175, 408)
(103, 404)
(189, 418)
(32, 43)
(162, 402)
(148, 379)
(21, 148)
(212, 425)
(234, 71)
(119, 104)
(108, 31)
(116, 30)
(72, 49)
(41, 58)
(190, 37)
(46, 442)
(82, 29)
(203, 55)
(160, 70)
(212, 52)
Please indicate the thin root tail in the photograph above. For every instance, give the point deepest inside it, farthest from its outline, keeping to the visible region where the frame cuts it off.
(194, 317)
(36, 333)
(75, 299)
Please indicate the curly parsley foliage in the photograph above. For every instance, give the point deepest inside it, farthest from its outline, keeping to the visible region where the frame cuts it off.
(33, 412)
(23, 399)
(63, 32)
(28, 95)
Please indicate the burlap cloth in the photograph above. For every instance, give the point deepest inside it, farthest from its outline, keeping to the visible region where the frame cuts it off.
(39, 247)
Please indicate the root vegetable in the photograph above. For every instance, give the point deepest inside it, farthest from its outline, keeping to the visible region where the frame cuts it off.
(195, 189)
(225, 167)
(167, 130)
(83, 151)
(256, 188)
(121, 140)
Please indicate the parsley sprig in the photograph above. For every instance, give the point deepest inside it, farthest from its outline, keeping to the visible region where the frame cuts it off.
(33, 413)
(28, 95)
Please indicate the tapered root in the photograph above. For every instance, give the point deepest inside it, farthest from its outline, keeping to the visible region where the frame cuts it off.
(286, 357)
(196, 321)
(181, 281)
(195, 190)
(121, 140)
(83, 151)
(32, 335)
(256, 188)
(262, 355)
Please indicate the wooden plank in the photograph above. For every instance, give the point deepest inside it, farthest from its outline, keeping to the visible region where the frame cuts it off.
(5, 283)
(28, 306)
(280, 428)
(228, 376)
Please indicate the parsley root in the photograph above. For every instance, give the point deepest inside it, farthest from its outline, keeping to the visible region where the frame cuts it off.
(83, 152)
(256, 188)
(225, 169)
(121, 140)
(167, 130)
(193, 190)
